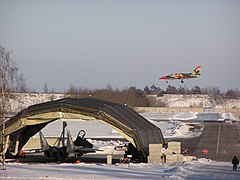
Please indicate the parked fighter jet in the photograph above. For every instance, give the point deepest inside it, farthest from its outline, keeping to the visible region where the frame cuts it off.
(78, 147)
(194, 74)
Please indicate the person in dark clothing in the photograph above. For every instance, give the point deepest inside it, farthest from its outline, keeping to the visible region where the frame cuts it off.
(235, 162)
(164, 157)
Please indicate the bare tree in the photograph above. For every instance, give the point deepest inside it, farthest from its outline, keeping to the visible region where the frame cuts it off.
(10, 81)
(232, 94)
(45, 88)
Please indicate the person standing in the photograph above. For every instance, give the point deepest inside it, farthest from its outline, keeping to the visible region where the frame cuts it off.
(235, 162)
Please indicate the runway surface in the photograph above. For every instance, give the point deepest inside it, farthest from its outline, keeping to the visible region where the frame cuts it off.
(218, 141)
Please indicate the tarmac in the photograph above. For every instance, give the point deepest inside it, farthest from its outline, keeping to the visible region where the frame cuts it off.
(218, 141)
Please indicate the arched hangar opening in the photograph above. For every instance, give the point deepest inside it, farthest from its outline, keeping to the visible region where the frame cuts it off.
(132, 126)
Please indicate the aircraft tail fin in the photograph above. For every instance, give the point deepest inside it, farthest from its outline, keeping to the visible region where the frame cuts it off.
(44, 144)
(196, 71)
(70, 145)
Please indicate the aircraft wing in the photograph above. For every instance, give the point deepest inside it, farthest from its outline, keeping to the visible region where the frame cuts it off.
(173, 76)
(84, 149)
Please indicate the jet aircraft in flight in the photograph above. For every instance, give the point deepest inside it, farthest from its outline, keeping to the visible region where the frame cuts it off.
(194, 74)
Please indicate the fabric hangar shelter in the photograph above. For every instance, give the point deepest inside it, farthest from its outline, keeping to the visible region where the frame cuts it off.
(131, 125)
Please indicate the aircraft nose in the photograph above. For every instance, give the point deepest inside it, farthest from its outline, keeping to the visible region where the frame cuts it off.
(163, 78)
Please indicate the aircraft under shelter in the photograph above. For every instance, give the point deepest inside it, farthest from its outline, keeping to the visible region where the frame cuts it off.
(131, 125)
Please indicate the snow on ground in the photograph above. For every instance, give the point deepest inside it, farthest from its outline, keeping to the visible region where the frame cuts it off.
(180, 100)
(19, 101)
(229, 116)
(172, 124)
(173, 127)
(157, 116)
(198, 169)
(194, 100)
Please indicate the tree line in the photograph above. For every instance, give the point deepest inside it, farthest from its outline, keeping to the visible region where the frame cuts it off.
(133, 96)
(211, 91)
(130, 96)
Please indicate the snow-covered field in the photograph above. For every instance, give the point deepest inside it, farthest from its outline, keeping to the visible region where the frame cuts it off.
(18, 101)
(198, 169)
(197, 100)
(171, 124)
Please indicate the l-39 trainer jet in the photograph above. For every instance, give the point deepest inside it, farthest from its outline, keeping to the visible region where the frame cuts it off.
(194, 74)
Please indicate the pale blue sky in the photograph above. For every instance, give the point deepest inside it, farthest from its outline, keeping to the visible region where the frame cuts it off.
(122, 42)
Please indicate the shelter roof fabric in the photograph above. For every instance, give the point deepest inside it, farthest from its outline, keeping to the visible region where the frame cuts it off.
(135, 128)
